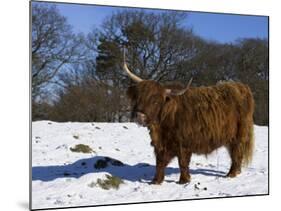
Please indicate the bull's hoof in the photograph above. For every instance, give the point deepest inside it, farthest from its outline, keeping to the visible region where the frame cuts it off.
(232, 174)
(184, 180)
(155, 182)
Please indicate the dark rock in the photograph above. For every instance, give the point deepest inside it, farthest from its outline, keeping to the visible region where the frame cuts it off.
(101, 164)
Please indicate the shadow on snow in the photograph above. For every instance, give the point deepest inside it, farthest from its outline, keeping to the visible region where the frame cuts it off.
(132, 173)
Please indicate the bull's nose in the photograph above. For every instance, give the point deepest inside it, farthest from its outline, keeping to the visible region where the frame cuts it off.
(140, 114)
(141, 117)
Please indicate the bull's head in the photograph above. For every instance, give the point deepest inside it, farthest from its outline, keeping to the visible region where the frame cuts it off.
(148, 97)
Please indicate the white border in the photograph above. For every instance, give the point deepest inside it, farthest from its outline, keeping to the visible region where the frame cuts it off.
(14, 116)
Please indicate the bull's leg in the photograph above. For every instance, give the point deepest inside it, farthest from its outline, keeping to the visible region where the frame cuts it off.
(184, 159)
(162, 160)
(236, 160)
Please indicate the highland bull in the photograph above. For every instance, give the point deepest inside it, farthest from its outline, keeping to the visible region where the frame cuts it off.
(194, 120)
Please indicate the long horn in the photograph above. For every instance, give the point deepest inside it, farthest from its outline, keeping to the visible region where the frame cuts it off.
(130, 74)
(179, 92)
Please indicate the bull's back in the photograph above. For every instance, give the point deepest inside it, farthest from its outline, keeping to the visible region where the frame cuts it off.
(208, 117)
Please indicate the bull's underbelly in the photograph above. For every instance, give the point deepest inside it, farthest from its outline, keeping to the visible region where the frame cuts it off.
(200, 144)
(204, 139)
(204, 146)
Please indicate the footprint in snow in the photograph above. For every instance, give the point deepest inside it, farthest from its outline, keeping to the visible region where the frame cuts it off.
(198, 187)
(58, 202)
(62, 146)
(262, 171)
(224, 194)
(136, 189)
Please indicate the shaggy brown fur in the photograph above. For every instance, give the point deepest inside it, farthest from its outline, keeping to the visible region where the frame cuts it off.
(199, 121)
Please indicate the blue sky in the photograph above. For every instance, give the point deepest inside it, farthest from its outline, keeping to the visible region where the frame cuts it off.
(222, 28)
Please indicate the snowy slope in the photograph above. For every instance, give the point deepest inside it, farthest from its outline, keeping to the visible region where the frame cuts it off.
(62, 178)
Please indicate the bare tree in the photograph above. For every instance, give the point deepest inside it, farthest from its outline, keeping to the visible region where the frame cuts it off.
(157, 45)
(88, 73)
(53, 45)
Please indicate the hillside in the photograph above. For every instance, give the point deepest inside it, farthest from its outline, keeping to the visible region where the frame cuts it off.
(121, 153)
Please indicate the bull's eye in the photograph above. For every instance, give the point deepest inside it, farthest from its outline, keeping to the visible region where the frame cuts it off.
(154, 100)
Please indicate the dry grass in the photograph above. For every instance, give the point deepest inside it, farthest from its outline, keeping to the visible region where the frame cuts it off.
(110, 182)
(82, 148)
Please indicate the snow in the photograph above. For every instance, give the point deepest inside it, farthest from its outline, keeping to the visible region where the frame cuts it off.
(62, 178)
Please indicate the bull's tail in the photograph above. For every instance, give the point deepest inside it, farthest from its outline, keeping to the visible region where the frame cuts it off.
(247, 129)
(247, 145)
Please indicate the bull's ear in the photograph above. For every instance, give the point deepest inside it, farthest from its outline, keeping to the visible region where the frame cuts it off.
(177, 92)
(132, 92)
(167, 94)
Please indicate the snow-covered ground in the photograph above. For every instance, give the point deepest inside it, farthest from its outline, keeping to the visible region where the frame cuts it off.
(62, 178)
